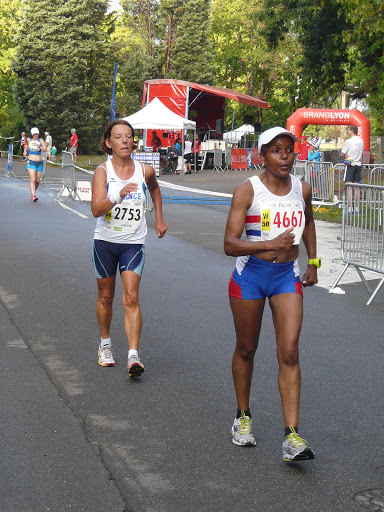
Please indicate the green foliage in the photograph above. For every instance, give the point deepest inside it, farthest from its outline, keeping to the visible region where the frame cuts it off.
(64, 73)
(365, 39)
(191, 48)
(9, 10)
(318, 27)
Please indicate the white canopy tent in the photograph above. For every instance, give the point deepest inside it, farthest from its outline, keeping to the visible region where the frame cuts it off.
(235, 135)
(156, 116)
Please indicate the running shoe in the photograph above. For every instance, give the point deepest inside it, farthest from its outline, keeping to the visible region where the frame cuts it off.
(106, 356)
(296, 448)
(242, 431)
(34, 199)
(135, 366)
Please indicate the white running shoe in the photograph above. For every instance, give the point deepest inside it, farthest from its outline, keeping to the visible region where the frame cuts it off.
(135, 366)
(296, 448)
(242, 431)
(106, 356)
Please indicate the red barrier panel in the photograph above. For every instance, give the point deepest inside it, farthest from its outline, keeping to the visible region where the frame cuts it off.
(245, 158)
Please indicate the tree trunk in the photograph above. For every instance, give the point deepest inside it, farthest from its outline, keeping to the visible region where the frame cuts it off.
(169, 42)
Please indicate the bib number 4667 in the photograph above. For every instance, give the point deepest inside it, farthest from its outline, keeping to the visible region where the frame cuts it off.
(288, 220)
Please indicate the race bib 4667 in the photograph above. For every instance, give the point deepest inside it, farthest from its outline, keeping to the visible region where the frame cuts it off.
(279, 216)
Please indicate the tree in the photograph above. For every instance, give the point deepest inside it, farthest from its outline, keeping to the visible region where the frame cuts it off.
(64, 69)
(190, 45)
(10, 118)
(365, 38)
(317, 26)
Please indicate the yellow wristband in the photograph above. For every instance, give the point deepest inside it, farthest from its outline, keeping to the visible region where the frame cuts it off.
(315, 261)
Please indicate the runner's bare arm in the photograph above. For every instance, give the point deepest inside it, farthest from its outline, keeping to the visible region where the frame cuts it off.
(309, 237)
(154, 190)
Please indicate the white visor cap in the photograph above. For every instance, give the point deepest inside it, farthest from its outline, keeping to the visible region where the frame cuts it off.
(34, 130)
(267, 136)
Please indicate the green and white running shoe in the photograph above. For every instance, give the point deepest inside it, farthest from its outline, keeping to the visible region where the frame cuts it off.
(242, 431)
(296, 448)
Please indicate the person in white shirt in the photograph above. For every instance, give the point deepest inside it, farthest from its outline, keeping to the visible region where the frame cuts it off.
(353, 151)
(188, 155)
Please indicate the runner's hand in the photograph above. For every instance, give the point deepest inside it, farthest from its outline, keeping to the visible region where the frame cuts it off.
(284, 241)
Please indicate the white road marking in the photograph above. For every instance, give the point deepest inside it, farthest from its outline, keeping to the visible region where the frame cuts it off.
(188, 189)
(72, 210)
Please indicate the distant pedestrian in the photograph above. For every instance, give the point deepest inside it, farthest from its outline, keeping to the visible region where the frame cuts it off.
(48, 141)
(188, 155)
(304, 148)
(156, 142)
(196, 152)
(74, 143)
(314, 154)
(353, 153)
(35, 164)
(23, 145)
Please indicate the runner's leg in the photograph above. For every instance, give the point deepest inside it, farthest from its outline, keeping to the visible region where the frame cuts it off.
(287, 313)
(132, 320)
(105, 295)
(247, 317)
(32, 181)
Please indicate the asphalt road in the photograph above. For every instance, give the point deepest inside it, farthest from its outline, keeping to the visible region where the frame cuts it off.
(75, 436)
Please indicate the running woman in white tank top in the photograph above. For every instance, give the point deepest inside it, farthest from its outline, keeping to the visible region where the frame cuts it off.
(276, 212)
(118, 196)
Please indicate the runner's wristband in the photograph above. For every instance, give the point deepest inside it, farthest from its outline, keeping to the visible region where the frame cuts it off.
(116, 198)
(315, 261)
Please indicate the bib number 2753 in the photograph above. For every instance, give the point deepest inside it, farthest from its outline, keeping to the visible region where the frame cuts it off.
(124, 219)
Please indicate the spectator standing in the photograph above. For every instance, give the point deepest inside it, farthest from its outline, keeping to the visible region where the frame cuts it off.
(180, 167)
(53, 152)
(314, 152)
(48, 141)
(188, 155)
(196, 153)
(74, 143)
(304, 148)
(156, 142)
(353, 152)
(23, 145)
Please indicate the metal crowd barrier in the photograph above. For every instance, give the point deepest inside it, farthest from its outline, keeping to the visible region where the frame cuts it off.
(218, 161)
(362, 238)
(148, 205)
(69, 180)
(9, 171)
(372, 174)
(320, 175)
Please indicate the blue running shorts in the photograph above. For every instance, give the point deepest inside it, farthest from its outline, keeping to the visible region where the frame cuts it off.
(107, 255)
(260, 279)
(36, 166)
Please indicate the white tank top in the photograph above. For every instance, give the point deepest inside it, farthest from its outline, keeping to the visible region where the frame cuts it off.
(270, 215)
(125, 223)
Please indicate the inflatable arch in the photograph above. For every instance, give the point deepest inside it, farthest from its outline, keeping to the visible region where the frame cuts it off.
(304, 116)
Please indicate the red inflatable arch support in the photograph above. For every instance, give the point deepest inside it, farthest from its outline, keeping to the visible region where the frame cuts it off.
(304, 116)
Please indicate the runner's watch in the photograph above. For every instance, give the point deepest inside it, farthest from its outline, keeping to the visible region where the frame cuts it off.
(315, 261)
